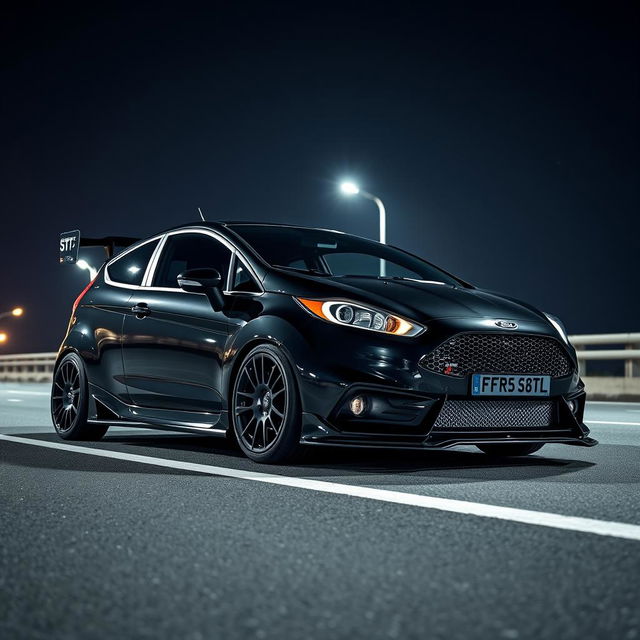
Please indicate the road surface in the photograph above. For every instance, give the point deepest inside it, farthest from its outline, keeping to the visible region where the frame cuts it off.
(149, 534)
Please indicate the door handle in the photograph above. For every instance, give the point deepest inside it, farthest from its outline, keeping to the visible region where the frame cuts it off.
(141, 310)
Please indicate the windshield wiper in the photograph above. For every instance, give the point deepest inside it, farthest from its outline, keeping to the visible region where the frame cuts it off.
(422, 281)
(315, 272)
(360, 275)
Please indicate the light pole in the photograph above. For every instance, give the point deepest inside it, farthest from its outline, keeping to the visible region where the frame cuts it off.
(352, 189)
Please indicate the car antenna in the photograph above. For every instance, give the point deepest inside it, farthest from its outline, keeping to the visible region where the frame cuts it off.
(201, 214)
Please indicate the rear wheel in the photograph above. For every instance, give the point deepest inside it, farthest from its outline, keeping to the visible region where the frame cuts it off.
(70, 401)
(266, 407)
(508, 450)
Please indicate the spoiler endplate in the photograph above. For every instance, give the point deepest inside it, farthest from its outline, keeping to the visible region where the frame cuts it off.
(70, 243)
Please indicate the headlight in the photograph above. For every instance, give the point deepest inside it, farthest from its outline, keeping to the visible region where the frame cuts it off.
(559, 327)
(356, 315)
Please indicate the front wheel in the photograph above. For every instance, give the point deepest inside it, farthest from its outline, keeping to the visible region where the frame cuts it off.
(508, 450)
(265, 406)
(70, 401)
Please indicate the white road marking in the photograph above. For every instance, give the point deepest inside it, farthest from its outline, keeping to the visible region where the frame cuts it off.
(631, 424)
(611, 402)
(539, 518)
(26, 393)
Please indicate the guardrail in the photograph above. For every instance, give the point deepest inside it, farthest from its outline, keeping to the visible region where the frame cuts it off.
(38, 367)
(601, 387)
(27, 367)
(630, 353)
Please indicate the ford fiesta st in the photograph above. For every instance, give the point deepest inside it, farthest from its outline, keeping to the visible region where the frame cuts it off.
(281, 336)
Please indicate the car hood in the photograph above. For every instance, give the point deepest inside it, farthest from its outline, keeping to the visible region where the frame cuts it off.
(418, 300)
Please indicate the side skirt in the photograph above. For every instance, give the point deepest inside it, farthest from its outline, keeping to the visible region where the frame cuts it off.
(107, 409)
(160, 427)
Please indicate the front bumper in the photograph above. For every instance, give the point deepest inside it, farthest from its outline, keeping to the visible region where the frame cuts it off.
(405, 419)
(407, 399)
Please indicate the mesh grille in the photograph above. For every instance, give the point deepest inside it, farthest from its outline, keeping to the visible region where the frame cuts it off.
(497, 353)
(494, 414)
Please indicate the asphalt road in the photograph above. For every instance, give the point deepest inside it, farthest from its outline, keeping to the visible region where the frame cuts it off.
(102, 547)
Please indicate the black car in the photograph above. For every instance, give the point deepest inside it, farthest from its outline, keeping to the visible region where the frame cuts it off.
(281, 336)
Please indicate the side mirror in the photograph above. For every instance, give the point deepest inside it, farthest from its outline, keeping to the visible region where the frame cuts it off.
(207, 281)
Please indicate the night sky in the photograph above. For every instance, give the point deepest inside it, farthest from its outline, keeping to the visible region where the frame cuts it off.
(503, 139)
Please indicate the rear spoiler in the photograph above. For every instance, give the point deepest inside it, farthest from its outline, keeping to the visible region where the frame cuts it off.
(70, 243)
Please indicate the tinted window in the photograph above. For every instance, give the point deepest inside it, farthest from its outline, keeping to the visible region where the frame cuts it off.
(130, 268)
(363, 264)
(242, 279)
(190, 251)
(336, 254)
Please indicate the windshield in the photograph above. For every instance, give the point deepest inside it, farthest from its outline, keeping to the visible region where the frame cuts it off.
(330, 253)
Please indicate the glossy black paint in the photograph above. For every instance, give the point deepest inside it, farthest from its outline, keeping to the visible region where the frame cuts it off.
(173, 356)
(167, 358)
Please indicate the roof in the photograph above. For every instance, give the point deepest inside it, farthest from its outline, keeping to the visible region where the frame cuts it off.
(217, 224)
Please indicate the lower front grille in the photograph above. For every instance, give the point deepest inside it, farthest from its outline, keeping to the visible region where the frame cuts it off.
(494, 414)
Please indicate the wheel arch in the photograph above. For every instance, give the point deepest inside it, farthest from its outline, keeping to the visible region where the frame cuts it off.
(238, 358)
(65, 351)
(273, 330)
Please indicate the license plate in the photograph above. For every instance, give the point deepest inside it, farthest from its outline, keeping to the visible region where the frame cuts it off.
(501, 385)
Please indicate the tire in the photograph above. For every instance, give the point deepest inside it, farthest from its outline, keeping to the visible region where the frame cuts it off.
(265, 407)
(508, 450)
(70, 401)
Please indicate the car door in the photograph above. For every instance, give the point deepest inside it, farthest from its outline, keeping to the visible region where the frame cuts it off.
(106, 305)
(173, 342)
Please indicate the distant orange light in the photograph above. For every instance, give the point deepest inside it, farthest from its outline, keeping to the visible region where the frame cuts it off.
(17, 312)
(3, 337)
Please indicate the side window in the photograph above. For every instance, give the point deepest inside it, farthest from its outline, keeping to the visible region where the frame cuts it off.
(242, 278)
(130, 268)
(184, 251)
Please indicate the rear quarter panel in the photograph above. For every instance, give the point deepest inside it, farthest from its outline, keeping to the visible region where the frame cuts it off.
(95, 333)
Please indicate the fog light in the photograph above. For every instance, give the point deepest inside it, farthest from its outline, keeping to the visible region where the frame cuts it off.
(358, 405)
(572, 405)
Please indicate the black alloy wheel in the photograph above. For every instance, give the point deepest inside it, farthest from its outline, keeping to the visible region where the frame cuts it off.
(266, 414)
(69, 401)
(65, 399)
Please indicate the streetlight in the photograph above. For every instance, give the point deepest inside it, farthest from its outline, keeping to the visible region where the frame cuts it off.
(83, 264)
(351, 189)
(3, 338)
(16, 313)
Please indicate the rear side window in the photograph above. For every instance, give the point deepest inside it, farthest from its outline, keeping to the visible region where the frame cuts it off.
(130, 268)
(184, 251)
